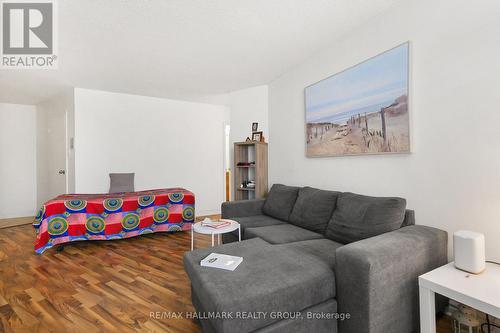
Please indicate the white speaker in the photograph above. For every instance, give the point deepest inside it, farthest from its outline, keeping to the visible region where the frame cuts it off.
(468, 249)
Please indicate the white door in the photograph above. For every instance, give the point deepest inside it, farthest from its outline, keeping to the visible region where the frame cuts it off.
(56, 153)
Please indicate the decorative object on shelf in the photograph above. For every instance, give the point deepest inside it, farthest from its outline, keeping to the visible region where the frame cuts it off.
(255, 127)
(361, 110)
(257, 136)
(248, 184)
(469, 251)
(248, 139)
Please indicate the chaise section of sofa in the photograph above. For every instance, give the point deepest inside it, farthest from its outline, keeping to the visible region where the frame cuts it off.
(271, 281)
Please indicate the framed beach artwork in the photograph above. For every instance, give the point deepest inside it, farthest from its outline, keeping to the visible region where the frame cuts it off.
(361, 110)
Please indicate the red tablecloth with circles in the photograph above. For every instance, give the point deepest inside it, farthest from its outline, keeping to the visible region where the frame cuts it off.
(74, 217)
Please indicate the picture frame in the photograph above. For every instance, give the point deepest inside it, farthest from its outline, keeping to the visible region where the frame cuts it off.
(255, 127)
(362, 110)
(257, 136)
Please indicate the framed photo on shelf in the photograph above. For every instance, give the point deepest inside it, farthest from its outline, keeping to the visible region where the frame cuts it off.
(257, 136)
(255, 127)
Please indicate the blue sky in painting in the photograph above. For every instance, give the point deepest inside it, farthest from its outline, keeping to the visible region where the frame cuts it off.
(363, 88)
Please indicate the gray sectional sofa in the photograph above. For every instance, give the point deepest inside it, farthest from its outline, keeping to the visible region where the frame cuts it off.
(317, 261)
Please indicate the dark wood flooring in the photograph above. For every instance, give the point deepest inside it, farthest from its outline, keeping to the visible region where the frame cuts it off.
(100, 286)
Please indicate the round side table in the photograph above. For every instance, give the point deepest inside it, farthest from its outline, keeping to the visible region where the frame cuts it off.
(198, 228)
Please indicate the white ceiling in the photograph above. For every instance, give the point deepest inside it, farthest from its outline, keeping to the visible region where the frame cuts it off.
(184, 48)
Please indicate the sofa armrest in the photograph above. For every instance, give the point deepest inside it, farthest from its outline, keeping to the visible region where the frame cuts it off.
(242, 208)
(377, 278)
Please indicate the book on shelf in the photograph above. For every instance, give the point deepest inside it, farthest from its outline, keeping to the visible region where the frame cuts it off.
(246, 164)
(221, 261)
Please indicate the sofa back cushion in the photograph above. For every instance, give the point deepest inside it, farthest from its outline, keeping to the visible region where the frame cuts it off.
(358, 217)
(313, 208)
(280, 200)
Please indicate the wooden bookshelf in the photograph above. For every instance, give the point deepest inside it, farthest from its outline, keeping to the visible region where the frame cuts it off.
(250, 152)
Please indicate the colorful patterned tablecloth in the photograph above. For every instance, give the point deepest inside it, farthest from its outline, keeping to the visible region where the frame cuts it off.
(74, 217)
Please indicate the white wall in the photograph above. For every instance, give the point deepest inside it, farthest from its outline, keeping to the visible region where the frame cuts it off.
(166, 143)
(17, 161)
(452, 178)
(246, 107)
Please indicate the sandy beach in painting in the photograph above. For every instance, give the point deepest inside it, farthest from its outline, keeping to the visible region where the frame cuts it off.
(363, 110)
(363, 133)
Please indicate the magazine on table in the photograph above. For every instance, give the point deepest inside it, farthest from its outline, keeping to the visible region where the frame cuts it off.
(214, 224)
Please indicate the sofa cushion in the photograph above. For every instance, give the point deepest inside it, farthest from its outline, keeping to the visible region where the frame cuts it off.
(249, 222)
(256, 221)
(281, 233)
(313, 208)
(358, 217)
(323, 249)
(280, 201)
(269, 280)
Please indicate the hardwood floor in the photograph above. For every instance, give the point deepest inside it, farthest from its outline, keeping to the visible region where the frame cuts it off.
(7, 223)
(99, 286)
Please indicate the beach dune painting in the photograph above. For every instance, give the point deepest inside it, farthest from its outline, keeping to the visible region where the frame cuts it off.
(362, 110)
